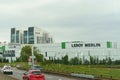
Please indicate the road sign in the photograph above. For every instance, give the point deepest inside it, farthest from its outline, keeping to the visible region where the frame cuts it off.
(32, 56)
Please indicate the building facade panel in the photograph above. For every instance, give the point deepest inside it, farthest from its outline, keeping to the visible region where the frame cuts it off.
(12, 35)
(32, 35)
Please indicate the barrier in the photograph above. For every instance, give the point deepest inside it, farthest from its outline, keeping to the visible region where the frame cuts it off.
(82, 76)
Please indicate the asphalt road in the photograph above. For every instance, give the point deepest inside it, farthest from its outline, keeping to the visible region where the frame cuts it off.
(19, 73)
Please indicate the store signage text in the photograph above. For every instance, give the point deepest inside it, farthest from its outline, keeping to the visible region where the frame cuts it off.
(86, 45)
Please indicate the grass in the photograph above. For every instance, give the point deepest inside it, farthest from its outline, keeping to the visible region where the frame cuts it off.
(96, 70)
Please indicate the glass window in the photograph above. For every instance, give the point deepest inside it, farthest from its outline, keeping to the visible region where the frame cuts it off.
(36, 72)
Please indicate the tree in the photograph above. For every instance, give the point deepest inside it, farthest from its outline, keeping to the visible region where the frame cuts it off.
(91, 60)
(74, 61)
(65, 59)
(27, 51)
(109, 61)
(39, 57)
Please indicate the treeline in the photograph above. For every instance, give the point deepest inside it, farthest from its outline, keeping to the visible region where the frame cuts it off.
(79, 61)
(4, 60)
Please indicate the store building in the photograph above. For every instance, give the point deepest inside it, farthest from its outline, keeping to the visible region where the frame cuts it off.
(80, 49)
(51, 50)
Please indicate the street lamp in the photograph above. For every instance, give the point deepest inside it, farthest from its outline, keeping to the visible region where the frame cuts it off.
(89, 60)
(32, 56)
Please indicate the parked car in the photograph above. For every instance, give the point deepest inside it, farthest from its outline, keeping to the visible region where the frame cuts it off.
(33, 75)
(7, 69)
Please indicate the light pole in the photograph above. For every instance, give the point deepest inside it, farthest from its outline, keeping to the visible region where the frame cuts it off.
(60, 59)
(32, 56)
(90, 61)
(78, 57)
(54, 57)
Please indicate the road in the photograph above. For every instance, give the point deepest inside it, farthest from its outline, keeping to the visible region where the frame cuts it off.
(19, 73)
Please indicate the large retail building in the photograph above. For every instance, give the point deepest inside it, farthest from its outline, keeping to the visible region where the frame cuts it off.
(46, 45)
(80, 49)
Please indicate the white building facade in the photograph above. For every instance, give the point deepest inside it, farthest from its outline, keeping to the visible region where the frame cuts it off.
(80, 49)
(33, 35)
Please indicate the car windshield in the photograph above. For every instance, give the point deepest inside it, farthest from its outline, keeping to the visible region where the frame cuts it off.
(37, 66)
(7, 67)
(36, 72)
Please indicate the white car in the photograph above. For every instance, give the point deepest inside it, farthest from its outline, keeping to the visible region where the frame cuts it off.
(7, 69)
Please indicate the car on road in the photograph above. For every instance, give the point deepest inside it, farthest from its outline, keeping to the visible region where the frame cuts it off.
(35, 67)
(33, 75)
(7, 69)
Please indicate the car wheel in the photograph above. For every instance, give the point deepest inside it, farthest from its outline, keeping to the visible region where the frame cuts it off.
(11, 73)
(4, 72)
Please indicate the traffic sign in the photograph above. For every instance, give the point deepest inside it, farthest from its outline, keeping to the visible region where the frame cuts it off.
(32, 56)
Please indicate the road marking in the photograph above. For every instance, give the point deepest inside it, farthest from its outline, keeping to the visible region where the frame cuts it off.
(59, 79)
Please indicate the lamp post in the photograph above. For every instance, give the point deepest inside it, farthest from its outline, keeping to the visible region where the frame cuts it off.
(89, 60)
(60, 59)
(78, 57)
(54, 57)
(32, 56)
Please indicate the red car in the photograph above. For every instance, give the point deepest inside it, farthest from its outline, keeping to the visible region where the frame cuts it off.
(33, 75)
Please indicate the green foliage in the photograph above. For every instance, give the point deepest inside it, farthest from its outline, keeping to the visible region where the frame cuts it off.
(5, 60)
(86, 62)
(91, 60)
(117, 62)
(65, 59)
(109, 61)
(39, 57)
(26, 52)
(0, 59)
(94, 60)
(74, 61)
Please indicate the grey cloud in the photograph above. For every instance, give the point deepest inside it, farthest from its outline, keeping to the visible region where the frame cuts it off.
(76, 19)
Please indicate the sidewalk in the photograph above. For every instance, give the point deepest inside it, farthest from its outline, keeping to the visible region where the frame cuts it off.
(6, 77)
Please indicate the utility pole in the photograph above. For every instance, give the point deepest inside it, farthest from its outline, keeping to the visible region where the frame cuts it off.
(33, 55)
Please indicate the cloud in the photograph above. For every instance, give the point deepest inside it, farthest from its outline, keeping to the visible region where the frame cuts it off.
(64, 19)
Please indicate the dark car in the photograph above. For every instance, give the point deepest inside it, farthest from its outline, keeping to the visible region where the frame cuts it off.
(33, 75)
(36, 67)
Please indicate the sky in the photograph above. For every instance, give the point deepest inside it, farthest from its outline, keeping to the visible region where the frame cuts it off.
(65, 20)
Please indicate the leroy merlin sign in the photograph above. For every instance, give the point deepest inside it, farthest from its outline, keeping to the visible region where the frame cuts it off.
(75, 45)
(108, 44)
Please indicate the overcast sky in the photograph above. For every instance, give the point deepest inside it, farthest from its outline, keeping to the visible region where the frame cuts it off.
(66, 20)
